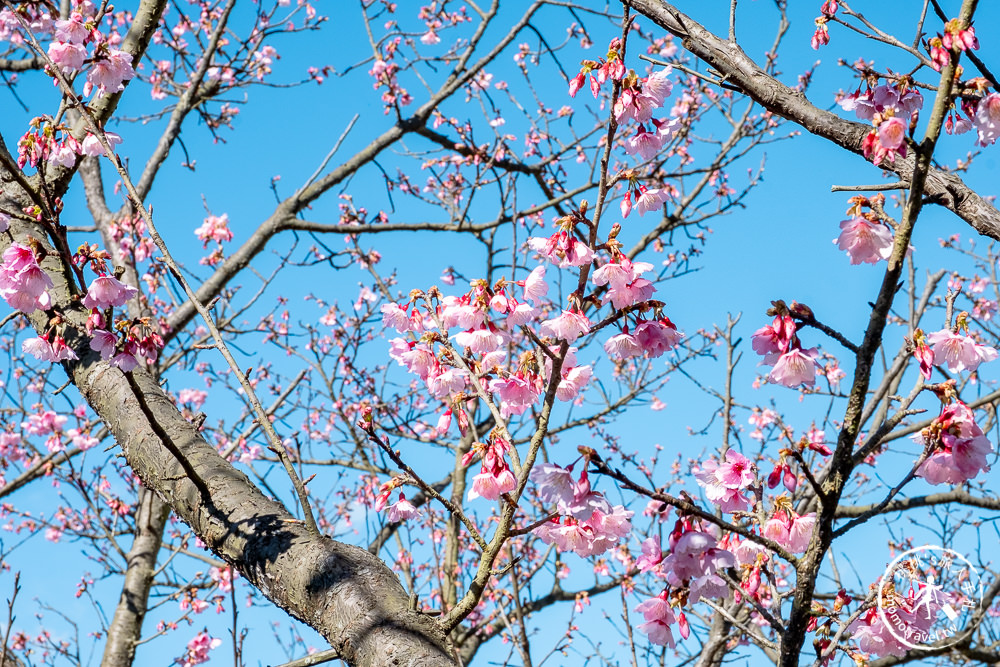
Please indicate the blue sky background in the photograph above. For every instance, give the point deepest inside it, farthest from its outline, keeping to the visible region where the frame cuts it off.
(779, 247)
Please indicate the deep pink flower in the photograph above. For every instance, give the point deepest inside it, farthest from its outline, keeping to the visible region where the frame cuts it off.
(892, 134)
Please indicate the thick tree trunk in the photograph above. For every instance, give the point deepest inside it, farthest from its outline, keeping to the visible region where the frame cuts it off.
(342, 591)
(126, 626)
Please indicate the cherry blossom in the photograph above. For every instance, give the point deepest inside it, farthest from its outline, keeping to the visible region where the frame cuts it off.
(23, 283)
(864, 240)
(958, 447)
(957, 352)
(108, 292)
(659, 617)
(795, 367)
(567, 326)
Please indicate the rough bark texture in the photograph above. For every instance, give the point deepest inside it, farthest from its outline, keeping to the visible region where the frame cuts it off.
(126, 625)
(738, 69)
(344, 592)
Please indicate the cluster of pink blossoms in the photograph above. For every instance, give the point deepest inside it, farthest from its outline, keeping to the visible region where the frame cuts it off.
(781, 348)
(957, 446)
(495, 477)
(724, 482)
(23, 283)
(891, 110)
(638, 99)
(198, 648)
(109, 66)
(914, 613)
(42, 142)
(692, 572)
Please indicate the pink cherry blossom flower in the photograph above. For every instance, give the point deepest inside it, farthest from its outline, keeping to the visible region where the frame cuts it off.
(657, 336)
(215, 228)
(959, 353)
(481, 341)
(401, 510)
(107, 73)
(23, 283)
(69, 57)
(865, 240)
(394, 315)
(108, 292)
(651, 555)
(658, 617)
(562, 248)
(623, 346)
(535, 287)
(574, 381)
(521, 314)
(644, 143)
(774, 338)
(568, 326)
(553, 484)
(43, 350)
(71, 30)
(795, 367)
(892, 134)
(92, 145)
(198, 648)
(986, 120)
(650, 199)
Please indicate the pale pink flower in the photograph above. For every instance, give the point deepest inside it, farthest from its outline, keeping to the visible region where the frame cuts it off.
(401, 510)
(651, 555)
(71, 30)
(107, 73)
(481, 341)
(69, 57)
(108, 292)
(521, 314)
(198, 648)
(892, 133)
(959, 353)
(658, 615)
(215, 228)
(795, 367)
(568, 326)
(986, 120)
(650, 199)
(644, 143)
(774, 338)
(491, 484)
(563, 249)
(92, 145)
(865, 240)
(573, 382)
(394, 315)
(535, 287)
(622, 346)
